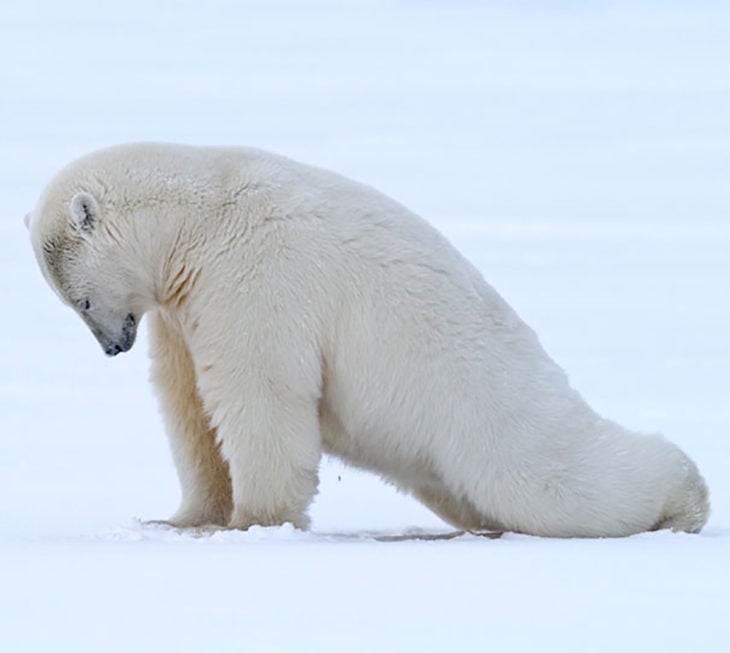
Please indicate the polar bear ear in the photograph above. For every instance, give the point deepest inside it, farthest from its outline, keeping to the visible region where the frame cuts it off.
(84, 211)
(26, 220)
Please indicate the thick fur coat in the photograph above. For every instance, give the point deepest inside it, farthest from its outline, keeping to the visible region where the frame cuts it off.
(294, 312)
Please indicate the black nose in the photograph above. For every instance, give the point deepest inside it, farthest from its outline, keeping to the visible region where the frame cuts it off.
(112, 350)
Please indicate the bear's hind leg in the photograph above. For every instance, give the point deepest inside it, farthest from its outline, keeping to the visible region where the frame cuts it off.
(459, 513)
(204, 479)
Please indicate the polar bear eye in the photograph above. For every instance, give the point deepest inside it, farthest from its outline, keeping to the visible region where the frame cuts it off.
(85, 305)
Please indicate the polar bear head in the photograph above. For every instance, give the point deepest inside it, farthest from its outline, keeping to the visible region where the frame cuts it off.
(87, 254)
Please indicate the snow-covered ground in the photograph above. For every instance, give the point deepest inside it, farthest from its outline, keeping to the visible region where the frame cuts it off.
(578, 153)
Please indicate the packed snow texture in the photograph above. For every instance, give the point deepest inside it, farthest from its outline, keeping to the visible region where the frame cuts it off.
(577, 153)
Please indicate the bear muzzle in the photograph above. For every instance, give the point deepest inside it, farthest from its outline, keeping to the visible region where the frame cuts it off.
(123, 341)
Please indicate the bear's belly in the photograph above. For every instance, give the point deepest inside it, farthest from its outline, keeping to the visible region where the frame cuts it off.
(377, 450)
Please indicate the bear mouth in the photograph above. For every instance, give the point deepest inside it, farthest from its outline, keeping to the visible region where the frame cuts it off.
(126, 340)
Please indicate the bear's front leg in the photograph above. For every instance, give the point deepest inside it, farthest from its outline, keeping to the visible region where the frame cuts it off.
(256, 344)
(271, 442)
(204, 480)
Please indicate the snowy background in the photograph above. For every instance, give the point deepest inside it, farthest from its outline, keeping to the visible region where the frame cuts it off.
(577, 152)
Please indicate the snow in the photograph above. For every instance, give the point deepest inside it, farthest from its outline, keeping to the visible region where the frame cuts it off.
(576, 152)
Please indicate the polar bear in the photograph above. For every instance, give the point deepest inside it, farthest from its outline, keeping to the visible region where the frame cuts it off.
(294, 312)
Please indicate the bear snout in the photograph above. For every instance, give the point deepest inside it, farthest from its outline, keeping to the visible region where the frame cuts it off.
(126, 339)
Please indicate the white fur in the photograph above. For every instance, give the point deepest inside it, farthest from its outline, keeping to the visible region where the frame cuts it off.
(294, 311)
